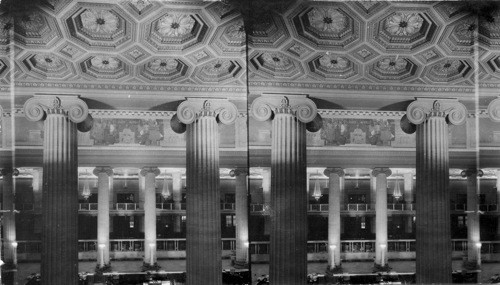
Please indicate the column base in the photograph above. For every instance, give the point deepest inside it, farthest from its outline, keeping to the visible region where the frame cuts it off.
(335, 270)
(105, 268)
(471, 265)
(148, 267)
(380, 268)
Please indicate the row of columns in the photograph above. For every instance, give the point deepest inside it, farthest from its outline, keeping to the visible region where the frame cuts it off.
(290, 116)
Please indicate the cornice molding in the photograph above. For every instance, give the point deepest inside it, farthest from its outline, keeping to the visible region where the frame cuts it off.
(325, 113)
(129, 87)
(369, 87)
(133, 114)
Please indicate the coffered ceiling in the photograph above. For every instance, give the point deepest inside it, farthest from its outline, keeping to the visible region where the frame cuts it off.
(355, 54)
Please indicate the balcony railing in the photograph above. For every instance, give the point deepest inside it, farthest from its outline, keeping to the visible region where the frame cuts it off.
(171, 206)
(318, 207)
(127, 206)
(357, 207)
(401, 207)
(260, 247)
(88, 207)
(482, 207)
(227, 206)
(488, 207)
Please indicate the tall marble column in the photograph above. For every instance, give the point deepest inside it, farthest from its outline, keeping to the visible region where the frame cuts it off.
(104, 181)
(498, 201)
(241, 213)
(473, 225)
(288, 247)
(381, 174)
(177, 196)
(203, 246)
(266, 192)
(408, 197)
(334, 246)
(62, 115)
(37, 185)
(149, 174)
(430, 117)
(9, 218)
(373, 199)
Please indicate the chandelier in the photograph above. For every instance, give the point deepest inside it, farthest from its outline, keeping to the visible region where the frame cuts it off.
(397, 191)
(165, 192)
(317, 190)
(86, 188)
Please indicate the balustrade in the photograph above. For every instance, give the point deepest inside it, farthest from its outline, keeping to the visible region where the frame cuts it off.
(87, 207)
(357, 207)
(127, 206)
(259, 247)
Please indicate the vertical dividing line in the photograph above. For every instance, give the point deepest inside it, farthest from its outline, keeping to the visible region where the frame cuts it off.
(476, 98)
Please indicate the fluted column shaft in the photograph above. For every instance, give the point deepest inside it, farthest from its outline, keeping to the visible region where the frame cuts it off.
(429, 117)
(60, 202)
(498, 200)
(288, 259)
(381, 175)
(62, 115)
(104, 181)
(149, 174)
(203, 203)
(8, 218)
(177, 196)
(433, 198)
(203, 246)
(334, 246)
(288, 247)
(473, 225)
(241, 213)
(266, 191)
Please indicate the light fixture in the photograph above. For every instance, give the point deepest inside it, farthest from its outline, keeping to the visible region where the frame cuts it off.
(317, 190)
(86, 188)
(478, 244)
(397, 191)
(165, 192)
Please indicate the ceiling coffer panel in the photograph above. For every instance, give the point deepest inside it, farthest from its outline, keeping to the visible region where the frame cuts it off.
(100, 26)
(175, 30)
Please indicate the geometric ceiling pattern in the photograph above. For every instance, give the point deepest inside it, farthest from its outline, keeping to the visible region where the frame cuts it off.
(146, 42)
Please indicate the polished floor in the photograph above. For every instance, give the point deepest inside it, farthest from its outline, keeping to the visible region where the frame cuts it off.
(488, 269)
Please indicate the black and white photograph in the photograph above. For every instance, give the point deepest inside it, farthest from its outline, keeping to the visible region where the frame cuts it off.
(251, 142)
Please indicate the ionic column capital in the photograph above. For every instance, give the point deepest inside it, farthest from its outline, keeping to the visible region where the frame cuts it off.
(300, 106)
(423, 108)
(238, 171)
(39, 106)
(193, 108)
(9, 171)
(472, 171)
(381, 170)
(150, 169)
(494, 110)
(334, 170)
(103, 169)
